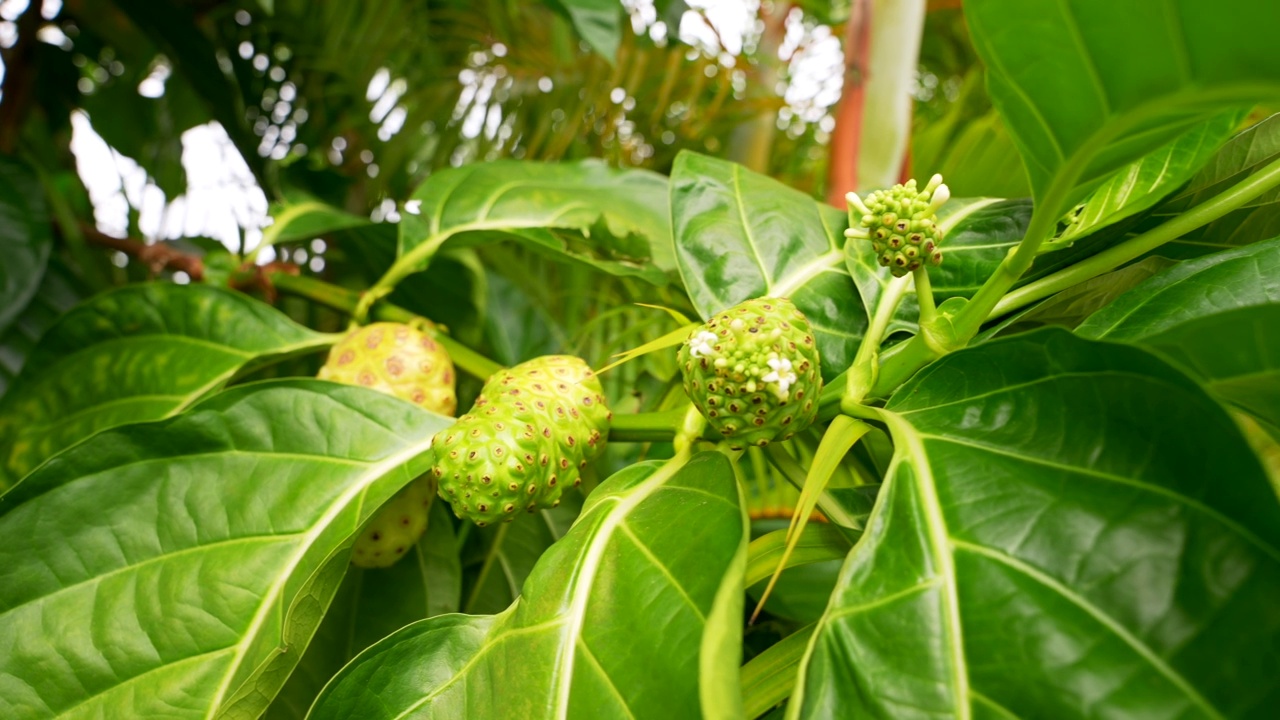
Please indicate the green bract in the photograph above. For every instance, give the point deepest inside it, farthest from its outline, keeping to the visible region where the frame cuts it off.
(902, 224)
(753, 372)
(529, 434)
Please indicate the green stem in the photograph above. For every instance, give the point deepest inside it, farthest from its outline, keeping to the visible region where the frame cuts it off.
(647, 427)
(466, 359)
(1251, 187)
(924, 295)
(861, 376)
(489, 560)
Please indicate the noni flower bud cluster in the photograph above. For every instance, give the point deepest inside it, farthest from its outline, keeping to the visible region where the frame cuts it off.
(902, 224)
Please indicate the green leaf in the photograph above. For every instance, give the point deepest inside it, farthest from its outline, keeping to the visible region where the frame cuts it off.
(142, 352)
(599, 22)
(613, 220)
(1217, 317)
(187, 562)
(25, 240)
(1142, 183)
(373, 603)
(818, 542)
(770, 676)
(621, 618)
(740, 235)
(1069, 529)
(301, 218)
(1074, 305)
(977, 235)
(1247, 152)
(1086, 88)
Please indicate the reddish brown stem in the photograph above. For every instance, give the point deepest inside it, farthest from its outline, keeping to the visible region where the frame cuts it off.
(157, 257)
(842, 170)
(160, 256)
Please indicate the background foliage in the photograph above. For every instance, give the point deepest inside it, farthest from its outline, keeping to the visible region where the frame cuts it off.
(1065, 501)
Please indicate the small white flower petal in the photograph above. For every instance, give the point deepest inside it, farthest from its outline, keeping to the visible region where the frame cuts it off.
(940, 198)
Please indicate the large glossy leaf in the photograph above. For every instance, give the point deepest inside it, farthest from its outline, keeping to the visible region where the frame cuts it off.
(24, 239)
(1069, 529)
(373, 603)
(621, 618)
(1142, 183)
(179, 568)
(613, 220)
(740, 235)
(1087, 87)
(141, 352)
(1073, 306)
(1218, 317)
(978, 233)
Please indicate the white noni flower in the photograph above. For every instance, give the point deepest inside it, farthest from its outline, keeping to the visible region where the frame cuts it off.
(779, 375)
(702, 344)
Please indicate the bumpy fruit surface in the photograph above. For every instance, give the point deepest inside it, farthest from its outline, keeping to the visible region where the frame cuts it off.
(902, 224)
(753, 371)
(395, 527)
(564, 389)
(528, 436)
(398, 360)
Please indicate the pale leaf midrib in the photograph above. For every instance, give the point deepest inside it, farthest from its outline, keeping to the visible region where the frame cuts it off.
(939, 541)
(359, 486)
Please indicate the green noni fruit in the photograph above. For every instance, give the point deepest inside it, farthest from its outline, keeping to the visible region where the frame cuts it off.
(529, 434)
(403, 361)
(753, 371)
(398, 360)
(395, 527)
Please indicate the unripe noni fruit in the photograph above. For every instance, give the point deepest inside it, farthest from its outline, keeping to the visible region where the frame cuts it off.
(398, 360)
(528, 436)
(405, 362)
(902, 224)
(753, 371)
(395, 527)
